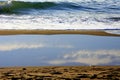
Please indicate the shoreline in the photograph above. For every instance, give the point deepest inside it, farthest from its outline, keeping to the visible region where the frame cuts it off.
(96, 32)
(83, 66)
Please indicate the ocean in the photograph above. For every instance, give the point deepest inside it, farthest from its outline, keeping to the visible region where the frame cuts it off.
(60, 14)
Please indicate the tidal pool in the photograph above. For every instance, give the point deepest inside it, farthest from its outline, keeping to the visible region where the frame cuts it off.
(48, 50)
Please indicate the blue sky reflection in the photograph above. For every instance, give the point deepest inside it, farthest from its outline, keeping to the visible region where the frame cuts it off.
(44, 50)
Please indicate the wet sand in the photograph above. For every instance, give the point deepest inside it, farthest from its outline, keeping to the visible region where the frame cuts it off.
(61, 73)
(51, 32)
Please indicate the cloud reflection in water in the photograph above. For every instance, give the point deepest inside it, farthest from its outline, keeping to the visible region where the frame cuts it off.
(88, 57)
(38, 50)
(15, 46)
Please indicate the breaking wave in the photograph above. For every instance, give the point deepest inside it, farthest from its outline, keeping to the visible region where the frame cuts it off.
(61, 14)
(86, 5)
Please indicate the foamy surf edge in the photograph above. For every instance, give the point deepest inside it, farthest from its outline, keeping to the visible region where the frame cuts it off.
(113, 31)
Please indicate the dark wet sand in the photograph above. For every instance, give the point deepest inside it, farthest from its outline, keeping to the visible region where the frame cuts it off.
(51, 32)
(61, 73)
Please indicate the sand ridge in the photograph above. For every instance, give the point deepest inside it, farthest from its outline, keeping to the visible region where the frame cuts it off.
(53, 32)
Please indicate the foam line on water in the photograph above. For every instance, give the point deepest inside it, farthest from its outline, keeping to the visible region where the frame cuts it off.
(59, 20)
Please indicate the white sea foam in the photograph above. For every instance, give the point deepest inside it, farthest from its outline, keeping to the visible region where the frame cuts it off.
(113, 31)
(59, 20)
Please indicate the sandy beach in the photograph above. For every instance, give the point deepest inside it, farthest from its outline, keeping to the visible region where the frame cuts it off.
(51, 32)
(60, 40)
(61, 73)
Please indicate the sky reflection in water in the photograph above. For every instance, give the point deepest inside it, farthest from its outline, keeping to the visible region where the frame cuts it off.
(45, 50)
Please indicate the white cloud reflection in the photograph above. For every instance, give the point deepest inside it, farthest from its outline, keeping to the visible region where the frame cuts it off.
(15, 46)
(10, 47)
(88, 57)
